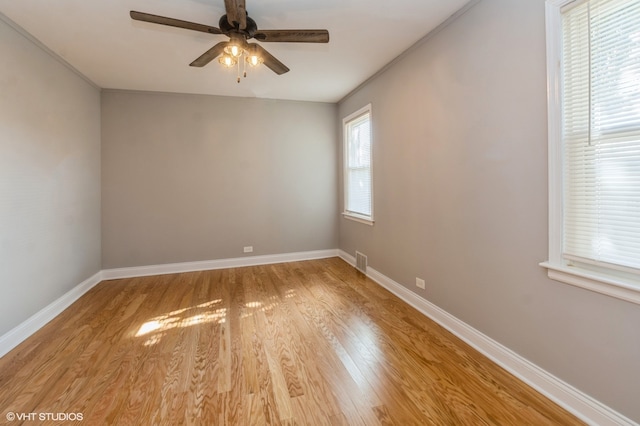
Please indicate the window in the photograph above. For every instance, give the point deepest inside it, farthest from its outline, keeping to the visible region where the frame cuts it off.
(358, 176)
(593, 49)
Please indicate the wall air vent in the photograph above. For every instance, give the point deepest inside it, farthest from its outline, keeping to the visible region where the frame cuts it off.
(361, 262)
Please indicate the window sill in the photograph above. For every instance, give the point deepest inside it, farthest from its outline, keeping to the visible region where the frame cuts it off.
(611, 286)
(362, 219)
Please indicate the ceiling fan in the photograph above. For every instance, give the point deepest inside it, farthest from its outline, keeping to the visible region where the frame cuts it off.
(239, 27)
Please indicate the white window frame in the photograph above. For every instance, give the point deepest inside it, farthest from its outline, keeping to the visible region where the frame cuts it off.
(621, 286)
(345, 175)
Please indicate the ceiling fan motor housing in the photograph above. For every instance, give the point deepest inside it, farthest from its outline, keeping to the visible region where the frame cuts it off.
(227, 28)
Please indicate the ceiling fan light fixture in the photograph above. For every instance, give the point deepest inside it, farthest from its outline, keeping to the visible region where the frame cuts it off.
(227, 60)
(254, 60)
(234, 50)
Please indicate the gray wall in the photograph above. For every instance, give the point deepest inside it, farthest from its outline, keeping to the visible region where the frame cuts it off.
(460, 163)
(460, 189)
(189, 178)
(49, 178)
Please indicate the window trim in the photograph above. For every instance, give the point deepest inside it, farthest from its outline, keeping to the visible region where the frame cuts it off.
(368, 220)
(557, 268)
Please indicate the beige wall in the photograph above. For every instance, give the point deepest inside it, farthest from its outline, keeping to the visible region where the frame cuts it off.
(189, 178)
(460, 162)
(49, 178)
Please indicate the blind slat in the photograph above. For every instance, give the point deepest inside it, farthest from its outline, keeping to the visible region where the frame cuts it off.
(601, 132)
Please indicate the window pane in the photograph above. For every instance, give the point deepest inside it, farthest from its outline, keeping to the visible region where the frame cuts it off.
(358, 175)
(360, 144)
(601, 132)
(359, 200)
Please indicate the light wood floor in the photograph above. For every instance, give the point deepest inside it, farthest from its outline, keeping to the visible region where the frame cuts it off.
(299, 343)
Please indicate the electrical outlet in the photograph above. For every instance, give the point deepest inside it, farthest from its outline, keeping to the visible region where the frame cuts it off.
(420, 283)
(248, 249)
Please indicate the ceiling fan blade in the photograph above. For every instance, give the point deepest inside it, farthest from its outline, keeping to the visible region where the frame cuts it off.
(155, 19)
(293, 36)
(269, 60)
(209, 55)
(236, 13)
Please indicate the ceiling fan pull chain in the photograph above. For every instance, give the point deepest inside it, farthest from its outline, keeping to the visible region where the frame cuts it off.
(239, 71)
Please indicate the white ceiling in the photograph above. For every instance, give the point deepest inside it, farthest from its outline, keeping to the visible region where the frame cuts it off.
(100, 40)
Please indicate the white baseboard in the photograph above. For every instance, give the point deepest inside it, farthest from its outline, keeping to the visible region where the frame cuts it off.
(571, 399)
(18, 334)
(206, 265)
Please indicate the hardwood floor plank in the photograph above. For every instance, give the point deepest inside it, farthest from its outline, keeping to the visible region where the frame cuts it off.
(335, 368)
(283, 338)
(308, 345)
(304, 343)
(265, 392)
(253, 413)
(249, 334)
(278, 384)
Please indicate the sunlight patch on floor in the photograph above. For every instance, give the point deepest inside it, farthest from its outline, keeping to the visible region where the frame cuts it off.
(203, 313)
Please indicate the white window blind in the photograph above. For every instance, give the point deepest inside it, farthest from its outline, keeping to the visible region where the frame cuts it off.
(358, 171)
(601, 133)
